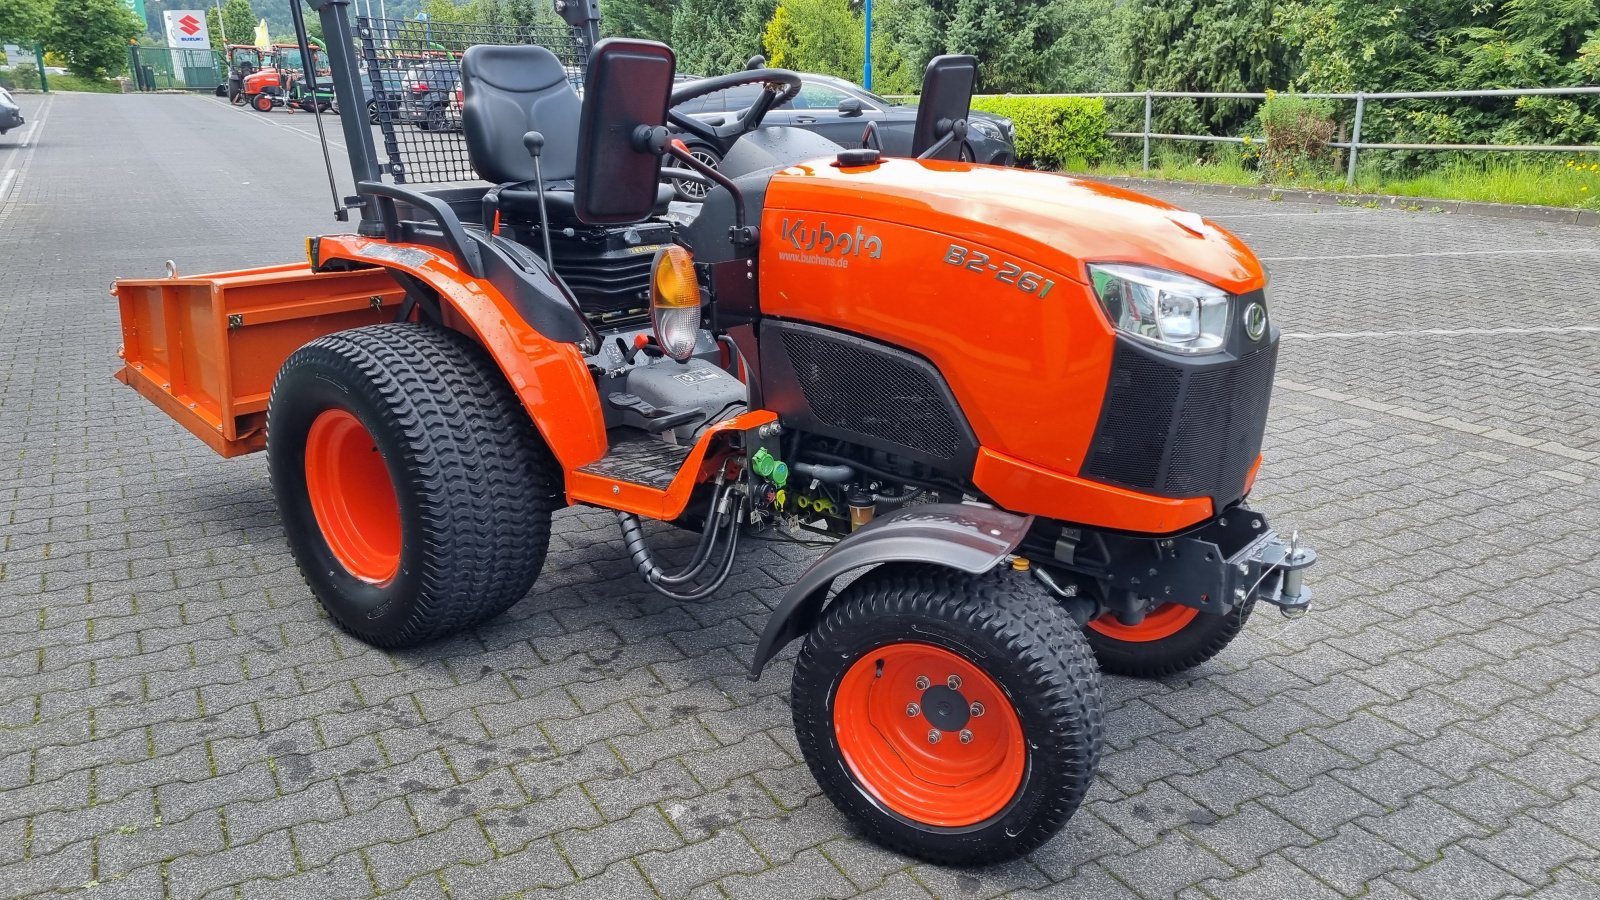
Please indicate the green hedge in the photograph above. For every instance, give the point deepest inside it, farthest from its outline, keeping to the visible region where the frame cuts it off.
(1054, 132)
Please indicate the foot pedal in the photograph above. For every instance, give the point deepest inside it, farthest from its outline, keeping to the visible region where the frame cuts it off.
(652, 418)
(647, 463)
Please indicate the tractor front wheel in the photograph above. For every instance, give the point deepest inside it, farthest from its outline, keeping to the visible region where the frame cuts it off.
(1170, 638)
(261, 103)
(955, 718)
(415, 492)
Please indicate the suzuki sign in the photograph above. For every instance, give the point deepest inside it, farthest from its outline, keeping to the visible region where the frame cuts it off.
(186, 29)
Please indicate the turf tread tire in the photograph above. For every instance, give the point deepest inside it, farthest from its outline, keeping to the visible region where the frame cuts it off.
(1021, 638)
(475, 482)
(1199, 641)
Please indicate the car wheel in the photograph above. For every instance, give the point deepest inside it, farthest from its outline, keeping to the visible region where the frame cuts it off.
(693, 191)
(966, 153)
(372, 112)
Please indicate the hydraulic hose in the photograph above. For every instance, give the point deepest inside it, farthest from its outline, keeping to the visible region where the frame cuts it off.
(639, 551)
(644, 560)
(832, 474)
(702, 553)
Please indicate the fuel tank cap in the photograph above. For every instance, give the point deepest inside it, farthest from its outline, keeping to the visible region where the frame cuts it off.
(865, 156)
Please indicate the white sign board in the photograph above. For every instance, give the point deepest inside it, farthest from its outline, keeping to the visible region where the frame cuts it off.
(186, 29)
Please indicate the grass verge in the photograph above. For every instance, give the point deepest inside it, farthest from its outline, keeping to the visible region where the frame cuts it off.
(1571, 181)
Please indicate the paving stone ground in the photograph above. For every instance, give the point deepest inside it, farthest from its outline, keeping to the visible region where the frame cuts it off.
(178, 718)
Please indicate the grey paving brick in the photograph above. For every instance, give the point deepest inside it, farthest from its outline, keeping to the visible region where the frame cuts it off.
(1529, 850)
(321, 842)
(809, 875)
(1422, 828)
(1163, 869)
(1350, 860)
(593, 851)
(1489, 798)
(1462, 874)
(196, 876)
(1275, 879)
(395, 864)
(675, 873)
(345, 876)
(537, 867)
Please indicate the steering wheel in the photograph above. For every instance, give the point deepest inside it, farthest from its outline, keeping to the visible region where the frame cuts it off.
(782, 86)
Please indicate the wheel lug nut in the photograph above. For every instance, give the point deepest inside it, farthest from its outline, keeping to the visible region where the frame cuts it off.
(912, 709)
(977, 708)
(966, 735)
(923, 682)
(934, 735)
(954, 682)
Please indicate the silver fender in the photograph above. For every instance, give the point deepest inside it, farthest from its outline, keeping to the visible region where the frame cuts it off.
(971, 539)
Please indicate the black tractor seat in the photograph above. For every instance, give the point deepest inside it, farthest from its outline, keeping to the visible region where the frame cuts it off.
(508, 91)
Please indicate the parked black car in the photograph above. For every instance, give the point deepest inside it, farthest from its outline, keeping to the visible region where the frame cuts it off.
(10, 113)
(839, 111)
(426, 90)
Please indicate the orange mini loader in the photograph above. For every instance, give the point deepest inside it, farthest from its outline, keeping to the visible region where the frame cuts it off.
(1024, 410)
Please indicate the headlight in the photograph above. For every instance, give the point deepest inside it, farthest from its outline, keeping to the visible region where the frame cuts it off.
(1181, 314)
(984, 127)
(675, 302)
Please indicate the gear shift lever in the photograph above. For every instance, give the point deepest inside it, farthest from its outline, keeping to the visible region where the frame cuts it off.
(534, 141)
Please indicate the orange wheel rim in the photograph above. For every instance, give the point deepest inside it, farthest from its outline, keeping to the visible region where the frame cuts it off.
(263, 103)
(352, 496)
(1164, 621)
(929, 735)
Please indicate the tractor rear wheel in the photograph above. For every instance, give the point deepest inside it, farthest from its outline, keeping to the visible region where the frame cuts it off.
(953, 717)
(414, 489)
(1170, 639)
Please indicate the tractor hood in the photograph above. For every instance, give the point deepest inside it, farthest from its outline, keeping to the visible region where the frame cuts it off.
(1053, 220)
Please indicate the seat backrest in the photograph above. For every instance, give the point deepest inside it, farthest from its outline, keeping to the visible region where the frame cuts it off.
(508, 91)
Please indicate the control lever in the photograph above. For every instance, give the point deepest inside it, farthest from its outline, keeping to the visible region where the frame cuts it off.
(656, 419)
(534, 141)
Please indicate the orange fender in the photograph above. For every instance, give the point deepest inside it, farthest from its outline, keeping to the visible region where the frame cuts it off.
(550, 378)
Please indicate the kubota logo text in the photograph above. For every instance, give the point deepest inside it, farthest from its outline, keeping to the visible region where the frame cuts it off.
(820, 246)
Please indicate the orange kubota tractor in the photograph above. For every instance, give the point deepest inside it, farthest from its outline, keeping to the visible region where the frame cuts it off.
(1023, 410)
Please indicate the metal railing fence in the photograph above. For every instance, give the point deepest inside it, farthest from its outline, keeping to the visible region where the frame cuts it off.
(165, 69)
(1354, 145)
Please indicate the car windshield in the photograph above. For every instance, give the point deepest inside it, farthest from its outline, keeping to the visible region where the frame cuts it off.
(878, 99)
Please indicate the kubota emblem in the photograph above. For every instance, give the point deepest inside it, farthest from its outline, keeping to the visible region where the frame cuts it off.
(819, 245)
(1255, 321)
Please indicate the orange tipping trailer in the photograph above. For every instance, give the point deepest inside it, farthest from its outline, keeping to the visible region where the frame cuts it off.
(205, 348)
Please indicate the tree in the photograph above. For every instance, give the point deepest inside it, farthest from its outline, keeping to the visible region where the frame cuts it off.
(235, 25)
(713, 37)
(93, 35)
(651, 19)
(1202, 45)
(815, 36)
(23, 21)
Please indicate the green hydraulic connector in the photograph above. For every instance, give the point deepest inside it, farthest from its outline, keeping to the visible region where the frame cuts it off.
(769, 467)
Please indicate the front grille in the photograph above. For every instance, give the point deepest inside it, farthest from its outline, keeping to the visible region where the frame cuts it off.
(869, 390)
(1181, 428)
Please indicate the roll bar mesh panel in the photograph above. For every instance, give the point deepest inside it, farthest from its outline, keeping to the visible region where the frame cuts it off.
(413, 81)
